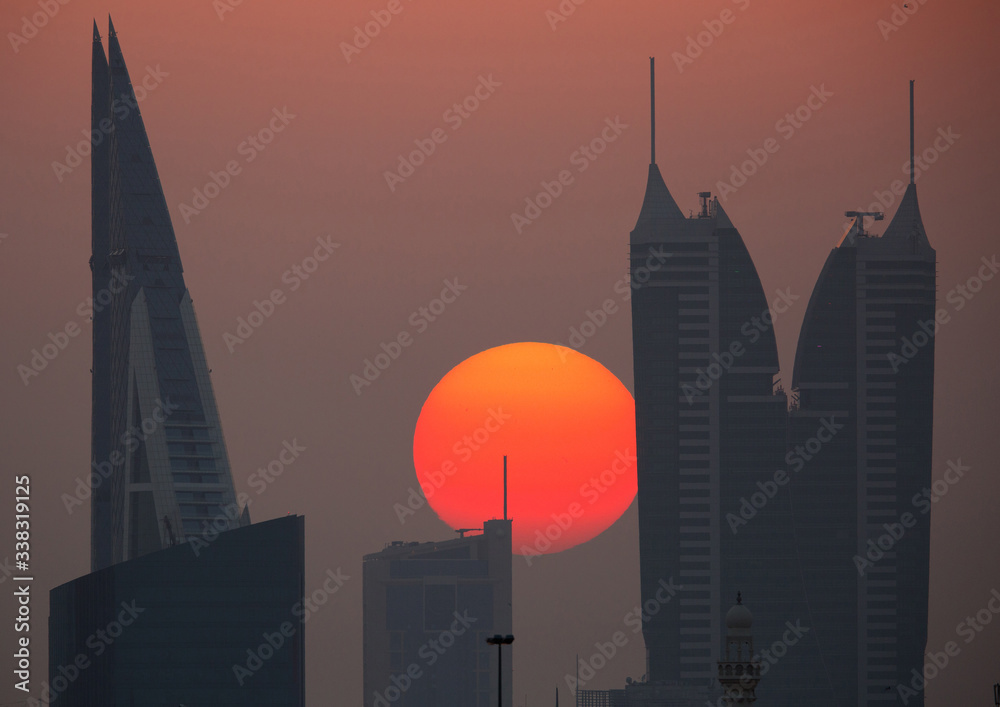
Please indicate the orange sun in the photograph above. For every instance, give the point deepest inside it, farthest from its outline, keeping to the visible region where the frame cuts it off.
(567, 426)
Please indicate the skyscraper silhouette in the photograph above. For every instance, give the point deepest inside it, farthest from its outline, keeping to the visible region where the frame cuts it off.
(187, 603)
(864, 564)
(156, 434)
(709, 427)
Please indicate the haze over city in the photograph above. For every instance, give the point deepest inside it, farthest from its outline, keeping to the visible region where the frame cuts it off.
(360, 211)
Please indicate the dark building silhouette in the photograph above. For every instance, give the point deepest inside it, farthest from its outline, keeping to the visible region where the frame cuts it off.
(187, 602)
(223, 627)
(867, 588)
(428, 609)
(157, 439)
(710, 426)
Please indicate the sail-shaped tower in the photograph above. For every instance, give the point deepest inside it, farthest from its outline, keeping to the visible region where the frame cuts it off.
(186, 588)
(157, 442)
(864, 544)
(710, 427)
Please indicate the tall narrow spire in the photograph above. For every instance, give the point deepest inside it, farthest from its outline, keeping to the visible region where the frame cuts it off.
(652, 113)
(97, 35)
(906, 226)
(657, 204)
(911, 132)
(505, 487)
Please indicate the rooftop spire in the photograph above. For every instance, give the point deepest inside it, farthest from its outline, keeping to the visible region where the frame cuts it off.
(97, 35)
(906, 226)
(657, 204)
(911, 132)
(111, 27)
(652, 113)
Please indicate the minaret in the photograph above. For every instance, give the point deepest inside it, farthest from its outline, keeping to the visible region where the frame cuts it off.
(739, 672)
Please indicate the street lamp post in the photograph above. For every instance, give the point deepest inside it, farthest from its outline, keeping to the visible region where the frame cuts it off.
(500, 641)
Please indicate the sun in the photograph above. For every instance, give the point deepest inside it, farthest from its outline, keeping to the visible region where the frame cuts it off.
(567, 427)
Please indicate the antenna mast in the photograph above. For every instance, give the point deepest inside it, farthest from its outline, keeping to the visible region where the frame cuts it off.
(911, 133)
(652, 114)
(505, 487)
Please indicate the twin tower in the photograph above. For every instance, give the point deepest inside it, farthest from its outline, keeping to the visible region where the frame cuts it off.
(795, 500)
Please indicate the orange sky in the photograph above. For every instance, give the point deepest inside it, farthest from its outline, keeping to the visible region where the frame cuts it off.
(324, 175)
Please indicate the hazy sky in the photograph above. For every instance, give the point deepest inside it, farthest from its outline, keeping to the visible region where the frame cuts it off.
(547, 88)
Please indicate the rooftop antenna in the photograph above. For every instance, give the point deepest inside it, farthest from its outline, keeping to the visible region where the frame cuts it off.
(911, 132)
(704, 196)
(576, 702)
(859, 220)
(652, 114)
(505, 487)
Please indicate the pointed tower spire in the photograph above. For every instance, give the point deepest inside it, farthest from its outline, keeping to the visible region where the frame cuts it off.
(111, 27)
(657, 204)
(652, 112)
(906, 226)
(97, 35)
(911, 132)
